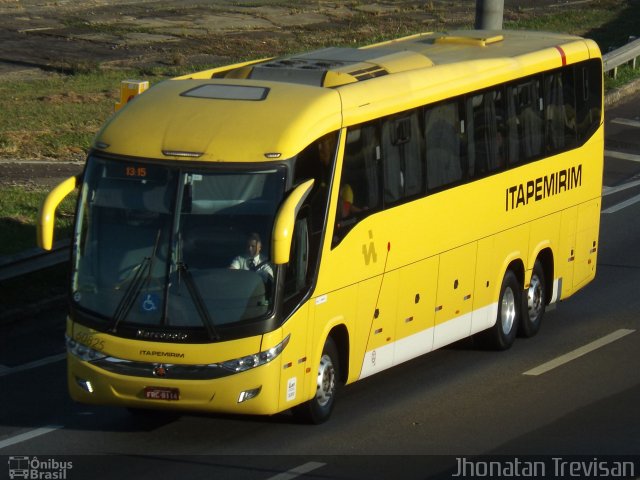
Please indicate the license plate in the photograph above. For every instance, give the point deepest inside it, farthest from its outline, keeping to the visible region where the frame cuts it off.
(161, 393)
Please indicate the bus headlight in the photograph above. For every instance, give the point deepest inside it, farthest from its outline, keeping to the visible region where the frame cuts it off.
(256, 360)
(82, 351)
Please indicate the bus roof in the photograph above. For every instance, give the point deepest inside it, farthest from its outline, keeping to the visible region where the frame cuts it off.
(273, 108)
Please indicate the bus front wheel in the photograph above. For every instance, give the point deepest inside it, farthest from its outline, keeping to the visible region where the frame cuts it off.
(502, 335)
(319, 408)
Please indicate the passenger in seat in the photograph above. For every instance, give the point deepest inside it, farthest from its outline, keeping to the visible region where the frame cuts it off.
(347, 208)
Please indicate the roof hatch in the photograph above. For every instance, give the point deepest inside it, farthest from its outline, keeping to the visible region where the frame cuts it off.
(331, 67)
(476, 41)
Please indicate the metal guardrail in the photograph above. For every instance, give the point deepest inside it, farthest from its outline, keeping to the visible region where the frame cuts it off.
(37, 259)
(628, 54)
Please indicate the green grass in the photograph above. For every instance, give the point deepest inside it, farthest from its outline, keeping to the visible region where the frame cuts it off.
(608, 22)
(579, 22)
(19, 207)
(56, 117)
(626, 74)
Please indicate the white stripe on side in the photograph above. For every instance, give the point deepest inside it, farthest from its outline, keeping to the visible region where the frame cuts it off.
(557, 290)
(428, 340)
(436, 337)
(413, 346)
(484, 318)
(377, 360)
(452, 330)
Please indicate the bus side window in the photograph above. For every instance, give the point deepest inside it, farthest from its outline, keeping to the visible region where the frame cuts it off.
(560, 113)
(317, 161)
(524, 121)
(359, 192)
(513, 126)
(588, 98)
(297, 270)
(402, 157)
(443, 140)
(487, 132)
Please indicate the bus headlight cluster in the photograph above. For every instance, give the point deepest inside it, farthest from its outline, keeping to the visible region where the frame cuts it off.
(82, 351)
(256, 360)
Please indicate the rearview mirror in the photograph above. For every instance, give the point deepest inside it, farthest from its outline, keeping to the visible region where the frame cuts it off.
(47, 213)
(285, 221)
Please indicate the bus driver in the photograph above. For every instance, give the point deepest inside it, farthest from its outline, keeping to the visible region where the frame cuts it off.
(253, 259)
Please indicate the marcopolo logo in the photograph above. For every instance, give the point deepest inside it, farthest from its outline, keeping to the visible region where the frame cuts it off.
(34, 468)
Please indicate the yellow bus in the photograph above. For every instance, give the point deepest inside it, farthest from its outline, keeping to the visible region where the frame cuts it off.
(252, 237)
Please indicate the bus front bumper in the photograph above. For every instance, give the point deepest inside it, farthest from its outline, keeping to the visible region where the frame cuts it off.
(253, 391)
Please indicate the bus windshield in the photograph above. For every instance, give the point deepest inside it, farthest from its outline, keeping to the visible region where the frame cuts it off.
(175, 247)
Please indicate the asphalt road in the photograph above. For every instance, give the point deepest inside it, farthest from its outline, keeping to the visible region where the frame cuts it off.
(571, 390)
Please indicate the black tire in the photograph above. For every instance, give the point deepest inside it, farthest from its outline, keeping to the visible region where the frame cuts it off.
(502, 335)
(534, 301)
(319, 408)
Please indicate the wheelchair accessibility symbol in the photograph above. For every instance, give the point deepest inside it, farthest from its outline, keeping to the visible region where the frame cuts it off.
(150, 303)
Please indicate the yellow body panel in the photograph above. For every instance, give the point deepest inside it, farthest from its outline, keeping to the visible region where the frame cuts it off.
(296, 372)
(145, 128)
(418, 286)
(327, 311)
(586, 243)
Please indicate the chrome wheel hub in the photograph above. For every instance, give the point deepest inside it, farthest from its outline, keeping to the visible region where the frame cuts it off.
(508, 310)
(326, 381)
(534, 298)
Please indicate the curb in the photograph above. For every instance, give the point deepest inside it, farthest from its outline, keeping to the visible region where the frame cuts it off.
(618, 94)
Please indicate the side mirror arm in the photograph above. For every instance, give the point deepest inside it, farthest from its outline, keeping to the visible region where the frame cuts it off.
(47, 213)
(282, 234)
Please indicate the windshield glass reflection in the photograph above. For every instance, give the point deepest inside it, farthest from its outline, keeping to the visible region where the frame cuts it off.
(175, 247)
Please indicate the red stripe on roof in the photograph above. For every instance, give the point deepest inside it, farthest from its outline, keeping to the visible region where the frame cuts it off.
(562, 55)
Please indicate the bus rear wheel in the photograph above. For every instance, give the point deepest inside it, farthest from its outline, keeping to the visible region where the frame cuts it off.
(319, 408)
(502, 335)
(534, 302)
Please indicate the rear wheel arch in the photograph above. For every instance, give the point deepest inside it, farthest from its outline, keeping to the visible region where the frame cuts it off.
(509, 309)
(511, 263)
(517, 267)
(536, 294)
(545, 257)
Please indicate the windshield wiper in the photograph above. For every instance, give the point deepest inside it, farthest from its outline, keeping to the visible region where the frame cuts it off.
(194, 292)
(131, 293)
(198, 301)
